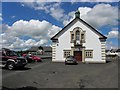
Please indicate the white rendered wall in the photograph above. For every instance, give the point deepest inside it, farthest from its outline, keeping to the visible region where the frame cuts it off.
(92, 42)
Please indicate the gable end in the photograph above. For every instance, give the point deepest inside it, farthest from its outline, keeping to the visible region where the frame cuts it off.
(82, 21)
(63, 30)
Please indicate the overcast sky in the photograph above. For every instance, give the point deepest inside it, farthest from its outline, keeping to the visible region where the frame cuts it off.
(25, 24)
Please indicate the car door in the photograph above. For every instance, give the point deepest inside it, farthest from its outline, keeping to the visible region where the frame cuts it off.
(4, 59)
(0, 58)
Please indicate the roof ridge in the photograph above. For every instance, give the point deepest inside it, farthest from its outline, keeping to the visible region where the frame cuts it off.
(82, 21)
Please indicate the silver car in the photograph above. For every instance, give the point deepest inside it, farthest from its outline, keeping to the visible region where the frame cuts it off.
(70, 60)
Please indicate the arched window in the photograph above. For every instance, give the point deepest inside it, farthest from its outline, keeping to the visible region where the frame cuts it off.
(77, 35)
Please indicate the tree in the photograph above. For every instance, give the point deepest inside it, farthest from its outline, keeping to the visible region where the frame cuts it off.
(40, 47)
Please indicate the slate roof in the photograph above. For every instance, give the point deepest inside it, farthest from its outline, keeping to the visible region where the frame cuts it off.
(115, 50)
(35, 48)
(72, 22)
(118, 50)
(47, 48)
(6, 49)
(107, 51)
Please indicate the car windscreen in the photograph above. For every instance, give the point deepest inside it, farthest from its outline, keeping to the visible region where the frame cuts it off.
(71, 57)
(11, 53)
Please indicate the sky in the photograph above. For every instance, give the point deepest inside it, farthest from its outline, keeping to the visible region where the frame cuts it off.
(25, 24)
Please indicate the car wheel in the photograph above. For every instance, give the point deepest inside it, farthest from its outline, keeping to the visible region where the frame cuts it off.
(10, 65)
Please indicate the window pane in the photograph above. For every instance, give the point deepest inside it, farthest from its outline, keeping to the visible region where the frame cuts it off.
(72, 36)
(77, 35)
(89, 54)
(82, 36)
(66, 53)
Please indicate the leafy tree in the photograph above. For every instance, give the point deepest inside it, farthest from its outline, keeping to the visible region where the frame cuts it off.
(40, 47)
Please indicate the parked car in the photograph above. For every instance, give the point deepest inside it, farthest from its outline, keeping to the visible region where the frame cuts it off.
(32, 58)
(9, 59)
(70, 60)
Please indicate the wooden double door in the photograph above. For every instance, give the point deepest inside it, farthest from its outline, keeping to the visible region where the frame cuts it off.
(78, 55)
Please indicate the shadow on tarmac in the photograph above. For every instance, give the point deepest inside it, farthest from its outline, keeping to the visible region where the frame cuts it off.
(19, 68)
(23, 88)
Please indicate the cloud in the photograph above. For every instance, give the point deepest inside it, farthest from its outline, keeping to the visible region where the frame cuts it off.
(84, 10)
(60, 0)
(98, 16)
(13, 17)
(114, 33)
(96, 0)
(39, 33)
(101, 15)
(1, 17)
(27, 0)
(34, 28)
(51, 8)
(57, 13)
(22, 5)
(110, 45)
(68, 18)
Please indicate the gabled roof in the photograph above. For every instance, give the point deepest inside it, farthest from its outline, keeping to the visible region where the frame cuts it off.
(36, 48)
(115, 50)
(107, 50)
(118, 50)
(33, 49)
(6, 49)
(72, 22)
(46, 48)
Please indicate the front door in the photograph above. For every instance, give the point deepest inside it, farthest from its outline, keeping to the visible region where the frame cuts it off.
(78, 55)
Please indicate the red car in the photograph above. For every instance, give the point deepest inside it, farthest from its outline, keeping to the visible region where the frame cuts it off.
(10, 59)
(32, 58)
